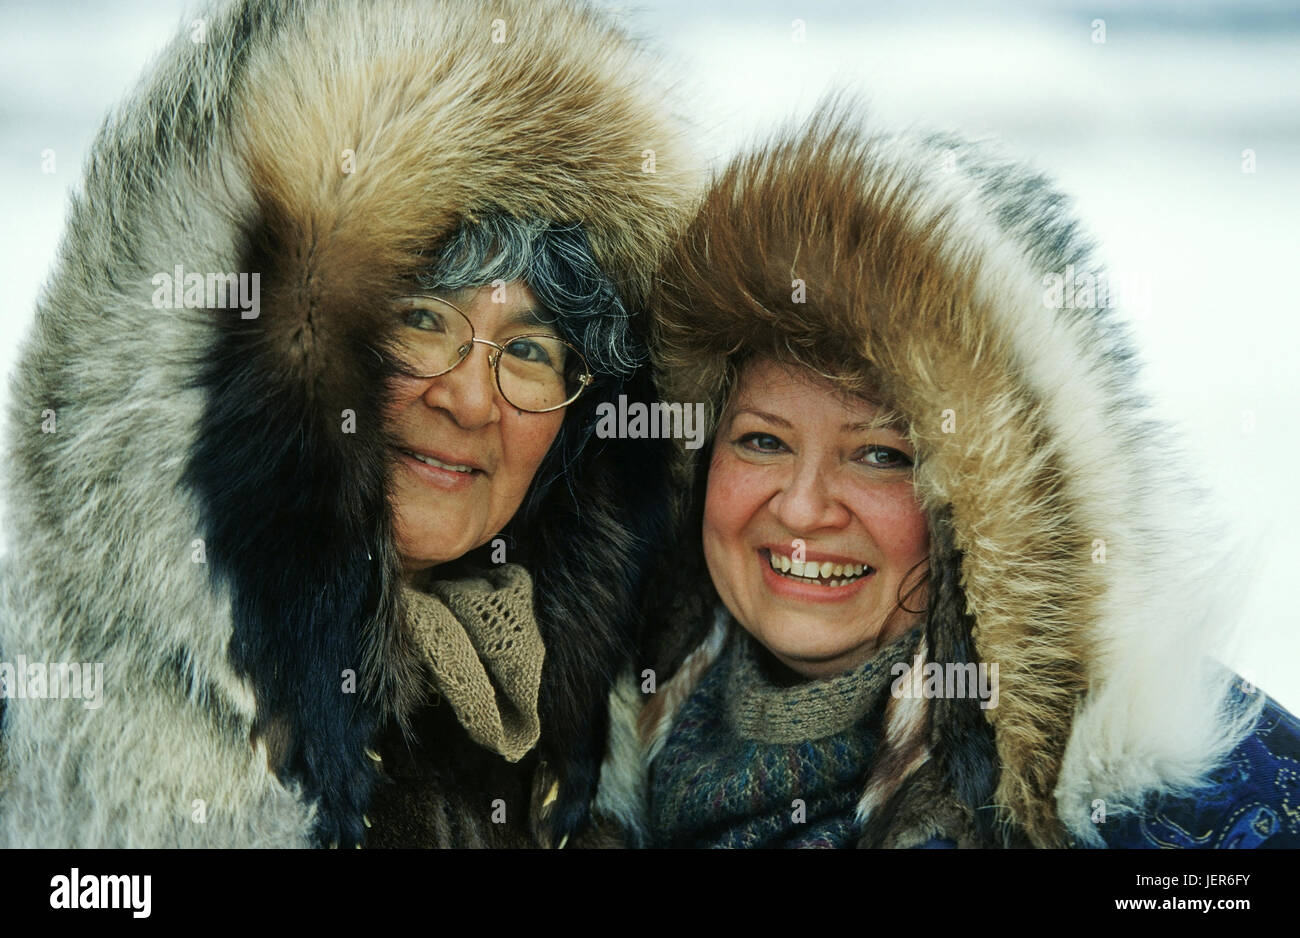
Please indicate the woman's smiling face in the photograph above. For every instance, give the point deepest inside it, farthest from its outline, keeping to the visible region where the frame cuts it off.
(798, 470)
(460, 419)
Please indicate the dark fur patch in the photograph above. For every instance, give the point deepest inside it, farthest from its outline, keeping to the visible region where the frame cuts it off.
(961, 738)
(588, 539)
(295, 514)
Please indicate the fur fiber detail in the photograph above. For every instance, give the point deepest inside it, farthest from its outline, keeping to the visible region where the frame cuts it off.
(210, 518)
(621, 795)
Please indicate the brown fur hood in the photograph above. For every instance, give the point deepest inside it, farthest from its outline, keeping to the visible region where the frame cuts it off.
(1065, 545)
(196, 498)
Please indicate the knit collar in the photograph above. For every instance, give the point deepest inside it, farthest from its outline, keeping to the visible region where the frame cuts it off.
(483, 650)
(750, 763)
(764, 710)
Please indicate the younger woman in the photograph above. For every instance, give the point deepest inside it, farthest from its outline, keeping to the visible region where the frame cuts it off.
(939, 580)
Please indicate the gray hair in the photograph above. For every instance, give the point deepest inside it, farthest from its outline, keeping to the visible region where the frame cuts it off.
(556, 263)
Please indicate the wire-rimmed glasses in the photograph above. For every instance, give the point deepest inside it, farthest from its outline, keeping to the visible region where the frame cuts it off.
(535, 372)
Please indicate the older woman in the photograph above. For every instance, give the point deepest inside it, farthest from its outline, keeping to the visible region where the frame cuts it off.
(937, 583)
(300, 446)
(491, 413)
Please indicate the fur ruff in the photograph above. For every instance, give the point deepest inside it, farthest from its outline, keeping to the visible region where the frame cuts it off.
(1074, 553)
(194, 433)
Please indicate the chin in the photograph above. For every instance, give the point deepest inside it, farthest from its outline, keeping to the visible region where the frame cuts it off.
(815, 656)
(426, 551)
(433, 551)
(811, 645)
(798, 645)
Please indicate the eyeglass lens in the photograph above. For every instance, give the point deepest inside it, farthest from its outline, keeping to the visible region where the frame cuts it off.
(535, 371)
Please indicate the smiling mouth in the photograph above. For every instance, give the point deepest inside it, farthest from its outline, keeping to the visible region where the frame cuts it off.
(826, 574)
(436, 463)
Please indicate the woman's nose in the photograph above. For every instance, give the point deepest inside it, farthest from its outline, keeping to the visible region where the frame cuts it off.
(807, 501)
(468, 392)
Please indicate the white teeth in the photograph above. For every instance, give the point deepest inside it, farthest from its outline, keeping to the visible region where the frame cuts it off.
(843, 574)
(434, 462)
(804, 567)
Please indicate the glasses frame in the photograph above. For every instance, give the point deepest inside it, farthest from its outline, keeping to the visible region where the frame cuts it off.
(495, 351)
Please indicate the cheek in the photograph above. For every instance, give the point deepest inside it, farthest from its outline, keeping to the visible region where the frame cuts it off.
(897, 524)
(735, 492)
(525, 439)
(401, 394)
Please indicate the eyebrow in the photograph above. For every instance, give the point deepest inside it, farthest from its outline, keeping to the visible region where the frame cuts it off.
(884, 421)
(530, 317)
(773, 418)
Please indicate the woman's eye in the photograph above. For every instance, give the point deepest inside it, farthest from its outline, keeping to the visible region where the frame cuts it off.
(529, 350)
(426, 320)
(886, 457)
(760, 442)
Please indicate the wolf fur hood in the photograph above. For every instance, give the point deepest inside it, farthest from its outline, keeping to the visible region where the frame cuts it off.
(1065, 546)
(196, 496)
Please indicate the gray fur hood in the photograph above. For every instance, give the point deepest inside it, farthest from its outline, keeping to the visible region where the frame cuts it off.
(196, 482)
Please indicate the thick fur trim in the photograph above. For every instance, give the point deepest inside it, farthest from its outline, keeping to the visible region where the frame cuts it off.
(903, 750)
(209, 519)
(640, 724)
(1082, 559)
(621, 795)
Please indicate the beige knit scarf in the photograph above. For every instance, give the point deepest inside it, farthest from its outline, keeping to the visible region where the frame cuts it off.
(484, 651)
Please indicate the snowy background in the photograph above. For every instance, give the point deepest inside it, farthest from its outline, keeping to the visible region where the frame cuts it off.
(1146, 131)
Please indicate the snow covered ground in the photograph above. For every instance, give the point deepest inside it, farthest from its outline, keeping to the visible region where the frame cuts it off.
(1146, 130)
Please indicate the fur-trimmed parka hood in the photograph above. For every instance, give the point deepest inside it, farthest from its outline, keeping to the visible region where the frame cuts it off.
(927, 271)
(196, 490)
